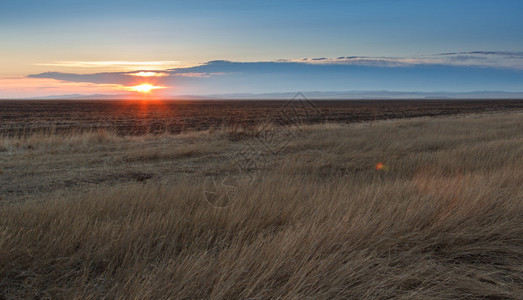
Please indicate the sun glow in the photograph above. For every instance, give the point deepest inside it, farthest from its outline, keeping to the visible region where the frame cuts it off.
(144, 88)
(149, 74)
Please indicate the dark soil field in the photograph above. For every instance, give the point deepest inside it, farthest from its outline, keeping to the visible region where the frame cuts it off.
(137, 117)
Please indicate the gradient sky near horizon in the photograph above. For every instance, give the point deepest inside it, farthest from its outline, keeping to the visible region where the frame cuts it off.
(58, 47)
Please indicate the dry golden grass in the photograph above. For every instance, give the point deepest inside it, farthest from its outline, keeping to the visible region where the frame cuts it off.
(443, 219)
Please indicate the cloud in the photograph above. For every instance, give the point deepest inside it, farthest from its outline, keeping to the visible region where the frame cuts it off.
(365, 61)
(116, 65)
(491, 59)
(488, 59)
(165, 77)
(499, 53)
(194, 74)
(444, 71)
(98, 78)
(392, 62)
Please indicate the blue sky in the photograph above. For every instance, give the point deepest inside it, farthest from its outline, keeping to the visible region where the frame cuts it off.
(485, 39)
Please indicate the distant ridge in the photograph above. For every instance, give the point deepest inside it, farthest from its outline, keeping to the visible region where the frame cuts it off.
(381, 94)
(377, 95)
(109, 97)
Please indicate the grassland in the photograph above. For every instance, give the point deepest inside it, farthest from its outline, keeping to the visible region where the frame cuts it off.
(96, 214)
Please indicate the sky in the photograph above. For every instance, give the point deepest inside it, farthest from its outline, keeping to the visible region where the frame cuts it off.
(207, 47)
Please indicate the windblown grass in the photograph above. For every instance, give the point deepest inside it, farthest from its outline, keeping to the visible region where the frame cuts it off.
(443, 219)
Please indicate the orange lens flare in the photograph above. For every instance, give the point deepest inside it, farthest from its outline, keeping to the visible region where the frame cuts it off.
(381, 167)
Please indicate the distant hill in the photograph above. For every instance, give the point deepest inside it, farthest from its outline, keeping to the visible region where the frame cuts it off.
(378, 95)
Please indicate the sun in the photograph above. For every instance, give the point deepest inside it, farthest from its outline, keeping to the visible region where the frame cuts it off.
(144, 88)
(149, 74)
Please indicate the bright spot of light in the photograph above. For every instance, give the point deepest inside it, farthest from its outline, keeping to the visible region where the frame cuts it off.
(381, 167)
(149, 74)
(144, 88)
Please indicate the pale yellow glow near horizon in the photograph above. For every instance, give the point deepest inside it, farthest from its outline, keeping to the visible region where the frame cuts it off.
(16, 87)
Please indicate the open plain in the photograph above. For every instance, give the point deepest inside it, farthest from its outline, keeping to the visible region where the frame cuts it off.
(417, 207)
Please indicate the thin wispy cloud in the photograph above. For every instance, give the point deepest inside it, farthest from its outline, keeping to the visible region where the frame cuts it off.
(98, 78)
(501, 53)
(124, 65)
(195, 74)
(489, 59)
